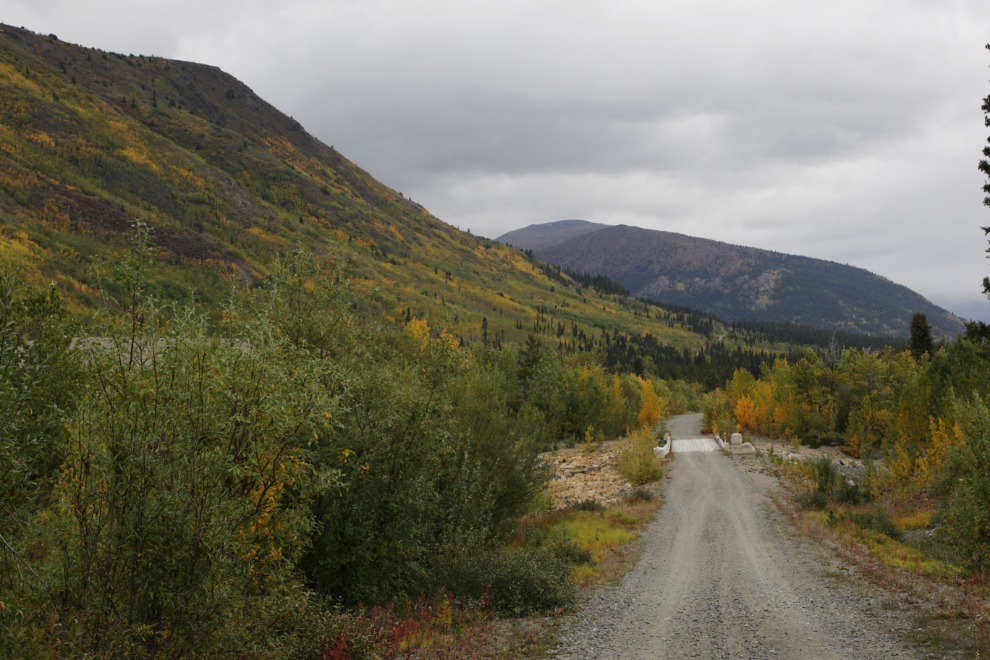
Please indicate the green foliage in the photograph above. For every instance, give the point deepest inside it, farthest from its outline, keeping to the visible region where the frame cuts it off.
(209, 471)
(850, 492)
(965, 520)
(717, 413)
(814, 500)
(40, 385)
(636, 462)
(877, 520)
(641, 494)
(922, 342)
(174, 511)
(555, 540)
(824, 473)
(592, 505)
(526, 581)
(430, 450)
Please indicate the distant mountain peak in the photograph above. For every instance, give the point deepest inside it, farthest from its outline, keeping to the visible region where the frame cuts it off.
(549, 233)
(731, 281)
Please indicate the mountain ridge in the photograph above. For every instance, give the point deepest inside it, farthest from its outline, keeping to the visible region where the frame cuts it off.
(738, 282)
(92, 142)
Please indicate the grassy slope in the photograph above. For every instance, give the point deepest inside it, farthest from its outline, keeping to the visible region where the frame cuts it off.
(92, 141)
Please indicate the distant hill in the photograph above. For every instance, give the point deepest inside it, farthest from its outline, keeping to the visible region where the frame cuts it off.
(550, 233)
(734, 282)
(94, 141)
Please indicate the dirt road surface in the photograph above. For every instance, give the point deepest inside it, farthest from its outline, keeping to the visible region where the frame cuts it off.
(724, 575)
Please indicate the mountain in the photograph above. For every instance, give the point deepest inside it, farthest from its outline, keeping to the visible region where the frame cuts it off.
(93, 141)
(550, 233)
(734, 282)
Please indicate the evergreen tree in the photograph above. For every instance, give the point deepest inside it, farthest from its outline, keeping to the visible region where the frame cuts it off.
(921, 336)
(985, 168)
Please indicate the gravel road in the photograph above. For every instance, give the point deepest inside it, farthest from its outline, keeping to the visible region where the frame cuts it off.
(724, 575)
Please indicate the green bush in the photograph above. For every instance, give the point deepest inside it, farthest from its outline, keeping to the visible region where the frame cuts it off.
(592, 505)
(850, 492)
(641, 494)
(557, 543)
(174, 515)
(717, 413)
(813, 500)
(877, 520)
(636, 461)
(430, 450)
(527, 581)
(824, 472)
(964, 521)
(570, 552)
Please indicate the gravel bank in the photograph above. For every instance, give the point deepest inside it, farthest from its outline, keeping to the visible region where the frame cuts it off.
(723, 575)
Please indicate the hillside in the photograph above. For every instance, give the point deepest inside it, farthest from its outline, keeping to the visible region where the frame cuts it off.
(735, 282)
(92, 141)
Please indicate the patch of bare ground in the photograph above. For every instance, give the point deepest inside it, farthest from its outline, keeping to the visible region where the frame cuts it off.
(579, 477)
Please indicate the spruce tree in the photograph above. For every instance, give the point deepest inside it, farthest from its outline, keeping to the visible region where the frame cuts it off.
(921, 336)
(985, 168)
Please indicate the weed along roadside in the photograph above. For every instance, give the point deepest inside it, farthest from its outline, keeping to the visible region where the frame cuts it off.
(889, 540)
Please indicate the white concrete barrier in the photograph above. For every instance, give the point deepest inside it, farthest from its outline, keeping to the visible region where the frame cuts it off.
(740, 447)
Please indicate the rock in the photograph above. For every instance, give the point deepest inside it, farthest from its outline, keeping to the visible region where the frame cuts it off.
(578, 478)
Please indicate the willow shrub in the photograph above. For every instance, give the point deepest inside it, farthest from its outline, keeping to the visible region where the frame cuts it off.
(965, 518)
(636, 462)
(520, 583)
(40, 383)
(429, 451)
(717, 414)
(176, 514)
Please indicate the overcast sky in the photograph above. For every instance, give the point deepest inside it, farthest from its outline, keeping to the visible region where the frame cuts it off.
(844, 130)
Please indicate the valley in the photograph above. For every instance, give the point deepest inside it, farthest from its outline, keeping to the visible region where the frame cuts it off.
(310, 419)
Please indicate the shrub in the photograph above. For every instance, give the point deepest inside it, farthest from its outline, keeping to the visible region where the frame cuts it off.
(636, 462)
(877, 520)
(814, 500)
(717, 413)
(527, 581)
(589, 504)
(965, 518)
(850, 492)
(641, 494)
(569, 552)
(173, 514)
(824, 472)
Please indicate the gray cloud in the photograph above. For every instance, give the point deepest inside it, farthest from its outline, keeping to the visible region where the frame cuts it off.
(845, 130)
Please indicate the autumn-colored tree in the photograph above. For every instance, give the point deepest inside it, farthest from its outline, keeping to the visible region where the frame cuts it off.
(649, 407)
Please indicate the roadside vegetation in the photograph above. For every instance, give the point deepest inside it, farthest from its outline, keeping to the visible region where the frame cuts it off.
(911, 512)
(181, 484)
